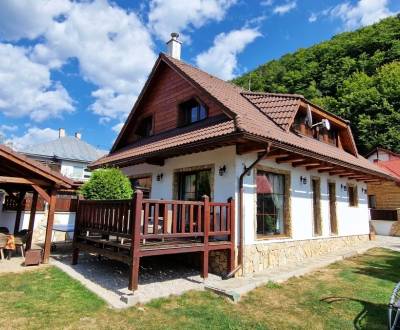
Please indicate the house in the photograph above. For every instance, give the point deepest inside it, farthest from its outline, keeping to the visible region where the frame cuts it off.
(384, 197)
(293, 169)
(69, 155)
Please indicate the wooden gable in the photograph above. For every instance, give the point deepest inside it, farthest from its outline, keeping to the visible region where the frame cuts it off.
(164, 91)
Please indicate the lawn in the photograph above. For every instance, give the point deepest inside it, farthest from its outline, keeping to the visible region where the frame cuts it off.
(350, 294)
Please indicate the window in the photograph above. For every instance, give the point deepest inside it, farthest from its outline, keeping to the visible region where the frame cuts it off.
(194, 185)
(270, 203)
(372, 201)
(353, 196)
(145, 127)
(86, 173)
(143, 184)
(192, 111)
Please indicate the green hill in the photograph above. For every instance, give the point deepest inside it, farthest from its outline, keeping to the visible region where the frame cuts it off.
(355, 75)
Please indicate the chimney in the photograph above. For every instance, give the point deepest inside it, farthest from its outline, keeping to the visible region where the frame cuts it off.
(61, 133)
(78, 135)
(174, 46)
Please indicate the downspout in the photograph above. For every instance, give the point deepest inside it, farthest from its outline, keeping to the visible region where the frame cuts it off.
(241, 210)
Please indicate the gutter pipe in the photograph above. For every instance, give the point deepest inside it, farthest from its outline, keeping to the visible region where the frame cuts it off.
(241, 209)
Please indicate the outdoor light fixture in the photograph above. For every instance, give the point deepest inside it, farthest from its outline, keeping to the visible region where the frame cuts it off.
(222, 170)
(160, 176)
(364, 190)
(344, 187)
(245, 168)
(303, 179)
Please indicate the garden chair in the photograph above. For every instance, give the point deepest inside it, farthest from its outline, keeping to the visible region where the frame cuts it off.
(3, 242)
(20, 240)
(394, 309)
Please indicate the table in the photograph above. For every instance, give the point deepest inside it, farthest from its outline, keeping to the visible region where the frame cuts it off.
(64, 228)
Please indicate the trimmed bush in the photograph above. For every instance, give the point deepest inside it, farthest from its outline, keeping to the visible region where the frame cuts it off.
(107, 183)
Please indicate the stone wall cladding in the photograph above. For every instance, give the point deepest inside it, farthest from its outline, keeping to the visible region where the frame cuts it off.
(218, 262)
(263, 256)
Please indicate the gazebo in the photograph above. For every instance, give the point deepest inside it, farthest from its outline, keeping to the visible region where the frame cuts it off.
(20, 175)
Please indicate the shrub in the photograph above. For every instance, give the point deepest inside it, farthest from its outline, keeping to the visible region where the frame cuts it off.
(108, 183)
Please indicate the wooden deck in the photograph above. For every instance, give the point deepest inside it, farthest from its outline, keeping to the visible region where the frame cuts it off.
(127, 230)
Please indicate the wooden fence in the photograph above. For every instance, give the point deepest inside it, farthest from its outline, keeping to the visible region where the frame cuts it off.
(63, 204)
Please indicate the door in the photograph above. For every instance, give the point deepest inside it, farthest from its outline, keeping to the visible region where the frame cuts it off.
(194, 185)
(332, 207)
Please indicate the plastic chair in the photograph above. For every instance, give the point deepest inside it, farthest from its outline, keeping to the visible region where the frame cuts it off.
(394, 309)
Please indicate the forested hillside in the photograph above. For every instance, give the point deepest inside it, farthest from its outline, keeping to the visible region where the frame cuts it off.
(355, 75)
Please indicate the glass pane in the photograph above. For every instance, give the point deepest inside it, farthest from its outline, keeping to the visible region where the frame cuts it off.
(203, 113)
(194, 114)
(203, 184)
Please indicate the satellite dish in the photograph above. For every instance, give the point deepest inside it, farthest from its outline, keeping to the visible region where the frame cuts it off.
(325, 123)
(309, 116)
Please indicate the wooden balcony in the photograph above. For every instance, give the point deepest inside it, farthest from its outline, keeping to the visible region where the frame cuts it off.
(127, 230)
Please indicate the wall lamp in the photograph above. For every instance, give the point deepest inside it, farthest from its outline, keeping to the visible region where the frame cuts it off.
(160, 176)
(303, 179)
(222, 170)
(364, 190)
(343, 187)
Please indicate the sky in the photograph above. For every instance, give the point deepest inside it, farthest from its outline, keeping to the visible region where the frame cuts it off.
(80, 65)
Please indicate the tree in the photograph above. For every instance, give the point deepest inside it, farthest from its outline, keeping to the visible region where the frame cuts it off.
(108, 183)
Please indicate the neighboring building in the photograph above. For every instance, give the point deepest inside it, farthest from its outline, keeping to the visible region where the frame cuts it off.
(382, 155)
(301, 187)
(68, 155)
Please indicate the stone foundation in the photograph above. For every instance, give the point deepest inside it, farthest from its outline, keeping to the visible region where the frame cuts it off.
(395, 230)
(218, 262)
(263, 256)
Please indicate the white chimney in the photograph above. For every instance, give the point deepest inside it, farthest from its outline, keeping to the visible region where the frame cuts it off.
(174, 46)
(61, 132)
(78, 135)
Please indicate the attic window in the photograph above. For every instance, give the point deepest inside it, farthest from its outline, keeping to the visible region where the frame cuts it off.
(145, 127)
(192, 111)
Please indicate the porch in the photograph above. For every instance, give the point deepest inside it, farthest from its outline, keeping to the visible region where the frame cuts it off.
(128, 230)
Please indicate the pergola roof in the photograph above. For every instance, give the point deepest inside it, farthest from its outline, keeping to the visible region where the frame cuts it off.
(18, 170)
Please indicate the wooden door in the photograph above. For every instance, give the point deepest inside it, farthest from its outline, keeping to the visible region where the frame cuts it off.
(332, 207)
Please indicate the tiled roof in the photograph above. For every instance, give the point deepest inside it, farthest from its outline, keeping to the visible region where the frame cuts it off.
(67, 148)
(393, 166)
(166, 141)
(249, 119)
(281, 108)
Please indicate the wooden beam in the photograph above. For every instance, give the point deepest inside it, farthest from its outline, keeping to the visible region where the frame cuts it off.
(335, 172)
(290, 159)
(32, 220)
(17, 180)
(41, 192)
(19, 211)
(346, 174)
(307, 163)
(155, 161)
(245, 148)
(325, 169)
(49, 226)
(277, 153)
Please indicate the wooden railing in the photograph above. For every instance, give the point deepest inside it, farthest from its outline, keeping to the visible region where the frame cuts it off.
(381, 214)
(159, 219)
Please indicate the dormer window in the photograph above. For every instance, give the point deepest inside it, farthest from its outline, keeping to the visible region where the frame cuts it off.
(145, 127)
(192, 111)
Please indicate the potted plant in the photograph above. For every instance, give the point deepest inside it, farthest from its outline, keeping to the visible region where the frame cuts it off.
(270, 223)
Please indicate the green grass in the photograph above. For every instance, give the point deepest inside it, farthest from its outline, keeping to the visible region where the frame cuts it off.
(350, 294)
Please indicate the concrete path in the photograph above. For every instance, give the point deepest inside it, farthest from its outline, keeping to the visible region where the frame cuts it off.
(236, 287)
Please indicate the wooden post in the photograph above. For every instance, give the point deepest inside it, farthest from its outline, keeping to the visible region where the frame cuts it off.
(78, 215)
(231, 259)
(204, 261)
(49, 227)
(21, 198)
(32, 220)
(136, 217)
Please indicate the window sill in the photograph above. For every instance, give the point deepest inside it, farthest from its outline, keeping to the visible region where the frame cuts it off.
(271, 237)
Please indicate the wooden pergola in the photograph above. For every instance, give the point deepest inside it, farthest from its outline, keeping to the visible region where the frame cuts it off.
(20, 175)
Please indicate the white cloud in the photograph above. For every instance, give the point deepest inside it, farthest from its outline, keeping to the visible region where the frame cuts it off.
(283, 9)
(26, 88)
(166, 16)
(8, 128)
(313, 17)
(221, 58)
(113, 48)
(267, 3)
(364, 12)
(117, 128)
(33, 135)
(27, 18)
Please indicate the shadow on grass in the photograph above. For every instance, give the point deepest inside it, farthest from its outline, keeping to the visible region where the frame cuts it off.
(381, 266)
(372, 316)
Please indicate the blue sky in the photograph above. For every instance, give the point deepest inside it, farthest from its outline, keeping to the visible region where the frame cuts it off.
(81, 64)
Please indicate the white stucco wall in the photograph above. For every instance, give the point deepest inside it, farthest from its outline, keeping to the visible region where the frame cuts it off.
(383, 227)
(67, 169)
(351, 220)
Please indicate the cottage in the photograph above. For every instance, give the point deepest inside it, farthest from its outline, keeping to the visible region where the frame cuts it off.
(292, 168)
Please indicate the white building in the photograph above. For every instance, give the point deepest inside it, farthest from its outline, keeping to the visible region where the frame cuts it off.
(292, 168)
(69, 155)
